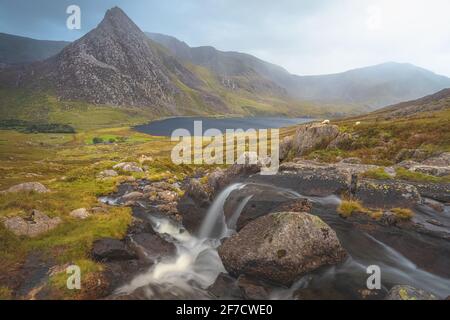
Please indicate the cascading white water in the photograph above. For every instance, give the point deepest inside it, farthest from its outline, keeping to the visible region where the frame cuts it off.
(214, 225)
(196, 264)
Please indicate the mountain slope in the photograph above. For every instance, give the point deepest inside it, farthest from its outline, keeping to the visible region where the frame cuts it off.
(16, 49)
(371, 87)
(436, 102)
(374, 87)
(234, 69)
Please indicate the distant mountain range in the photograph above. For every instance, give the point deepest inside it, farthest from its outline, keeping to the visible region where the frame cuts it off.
(118, 64)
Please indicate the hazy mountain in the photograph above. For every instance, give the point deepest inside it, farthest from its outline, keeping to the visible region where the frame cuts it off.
(435, 102)
(16, 49)
(371, 87)
(374, 86)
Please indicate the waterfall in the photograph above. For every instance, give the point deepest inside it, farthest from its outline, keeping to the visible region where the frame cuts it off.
(214, 225)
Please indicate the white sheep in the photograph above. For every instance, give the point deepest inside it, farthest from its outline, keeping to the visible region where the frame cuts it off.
(326, 122)
(358, 123)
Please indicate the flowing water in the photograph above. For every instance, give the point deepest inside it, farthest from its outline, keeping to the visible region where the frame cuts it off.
(196, 264)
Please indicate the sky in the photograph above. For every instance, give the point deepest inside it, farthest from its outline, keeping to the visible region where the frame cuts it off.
(304, 36)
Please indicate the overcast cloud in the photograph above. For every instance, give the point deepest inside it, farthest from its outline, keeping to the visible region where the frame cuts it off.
(304, 36)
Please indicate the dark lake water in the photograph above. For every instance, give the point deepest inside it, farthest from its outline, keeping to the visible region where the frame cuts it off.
(167, 126)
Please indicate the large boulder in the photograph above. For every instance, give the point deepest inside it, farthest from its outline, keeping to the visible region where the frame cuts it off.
(38, 223)
(281, 247)
(29, 187)
(312, 136)
(404, 292)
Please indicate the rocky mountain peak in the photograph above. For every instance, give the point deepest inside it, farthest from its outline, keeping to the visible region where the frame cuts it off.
(116, 20)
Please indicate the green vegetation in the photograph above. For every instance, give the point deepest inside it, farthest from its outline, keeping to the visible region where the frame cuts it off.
(404, 174)
(381, 141)
(378, 174)
(68, 164)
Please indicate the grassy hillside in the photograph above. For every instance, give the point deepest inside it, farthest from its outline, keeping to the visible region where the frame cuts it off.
(382, 141)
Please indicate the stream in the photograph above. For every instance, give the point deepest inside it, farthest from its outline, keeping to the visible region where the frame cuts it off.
(196, 264)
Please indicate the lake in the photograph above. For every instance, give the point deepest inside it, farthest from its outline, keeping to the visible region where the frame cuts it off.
(167, 126)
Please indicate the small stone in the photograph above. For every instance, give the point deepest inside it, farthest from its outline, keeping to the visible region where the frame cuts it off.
(29, 187)
(81, 213)
(404, 292)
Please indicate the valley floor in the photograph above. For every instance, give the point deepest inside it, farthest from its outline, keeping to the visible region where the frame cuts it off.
(71, 165)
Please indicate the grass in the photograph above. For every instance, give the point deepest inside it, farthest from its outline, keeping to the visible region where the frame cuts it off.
(404, 174)
(349, 207)
(377, 173)
(68, 165)
(379, 141)
(402, 213)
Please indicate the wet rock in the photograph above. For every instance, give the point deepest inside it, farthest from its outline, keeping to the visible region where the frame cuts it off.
(308, 178)
(29, 187)
(107, 174)
(436, 191)
(225, 287)
(387, 194)
(132, 196)
(197, 191)
(108, 249)
(128, 167)
(404, 292)
(150, 246)
(252, 289)
(193, 205)
(435, 205)
(255, 200)
(311, 136)
(38, 223)
(281, 247)
(169, 209)
(81, 213)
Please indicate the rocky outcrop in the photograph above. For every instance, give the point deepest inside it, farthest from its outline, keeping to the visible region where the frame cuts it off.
(194, 204)
(107, 174)
(35, 225)
(309, 178)
(128, 167)
(311, 136)
(281, 247)
(404, 292)
(29, 187)
(387, 194)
